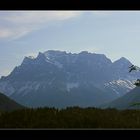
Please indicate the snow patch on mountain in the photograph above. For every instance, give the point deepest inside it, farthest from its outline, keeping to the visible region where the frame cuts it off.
(31, 57)
(51, 81)
(59, 65)
(72, 85)
(30, 86)
(27, 87)
(48, 61)
(122, 85)
(115, 91)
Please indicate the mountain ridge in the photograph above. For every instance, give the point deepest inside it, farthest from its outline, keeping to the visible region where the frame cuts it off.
(69, 73)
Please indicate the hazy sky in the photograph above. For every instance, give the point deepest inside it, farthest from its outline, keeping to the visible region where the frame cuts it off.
(24, 33)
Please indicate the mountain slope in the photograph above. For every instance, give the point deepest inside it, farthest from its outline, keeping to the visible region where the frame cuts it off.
(120, 87)
(55, 97)
(7, 104)
(126, 101)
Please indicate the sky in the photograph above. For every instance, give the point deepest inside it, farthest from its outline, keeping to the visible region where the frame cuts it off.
(26, 33)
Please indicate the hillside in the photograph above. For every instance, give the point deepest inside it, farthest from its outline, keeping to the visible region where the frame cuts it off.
(7, 104)
(126, 101)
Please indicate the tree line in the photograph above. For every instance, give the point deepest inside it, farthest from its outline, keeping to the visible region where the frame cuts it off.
(70, 117)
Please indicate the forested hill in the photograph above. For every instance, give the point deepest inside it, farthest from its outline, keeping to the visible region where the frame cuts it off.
(72, 117)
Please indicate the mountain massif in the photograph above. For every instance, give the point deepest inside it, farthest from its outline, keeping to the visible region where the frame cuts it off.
(61, 79)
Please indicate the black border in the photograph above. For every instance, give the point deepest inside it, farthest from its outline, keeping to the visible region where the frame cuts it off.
(70, 5)
(69, 134)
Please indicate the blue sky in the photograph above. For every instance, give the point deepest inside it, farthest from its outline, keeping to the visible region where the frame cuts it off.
(25, 33)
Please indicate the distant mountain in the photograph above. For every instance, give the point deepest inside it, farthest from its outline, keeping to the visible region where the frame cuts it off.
(126, 101)
(60, 79)
(7, 104)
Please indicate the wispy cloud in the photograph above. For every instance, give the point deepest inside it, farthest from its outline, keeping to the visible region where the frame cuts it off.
(4, 32)
(103, 14)
(15, 24)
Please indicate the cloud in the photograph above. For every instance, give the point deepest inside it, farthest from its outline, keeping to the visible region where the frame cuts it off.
(4, 32)
(15, 24)
(102, 14)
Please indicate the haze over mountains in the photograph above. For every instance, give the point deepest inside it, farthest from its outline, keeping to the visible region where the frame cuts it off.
(60, 79)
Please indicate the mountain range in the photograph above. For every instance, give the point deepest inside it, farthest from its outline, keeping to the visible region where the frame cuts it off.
(60, 79)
